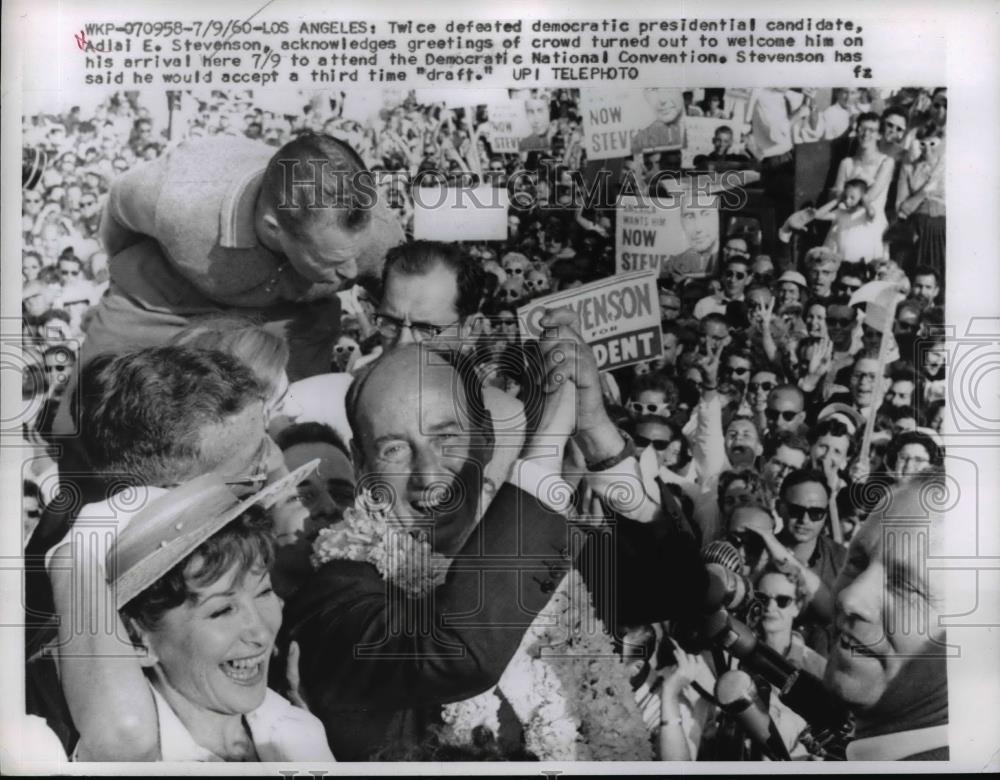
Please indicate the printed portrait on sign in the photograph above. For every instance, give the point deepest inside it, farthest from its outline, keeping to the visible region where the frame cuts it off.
(666, 130)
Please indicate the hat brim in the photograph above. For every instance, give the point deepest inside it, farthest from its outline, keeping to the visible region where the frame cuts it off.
(206, 505)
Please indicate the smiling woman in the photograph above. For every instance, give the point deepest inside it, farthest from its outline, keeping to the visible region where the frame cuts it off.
(190, 576)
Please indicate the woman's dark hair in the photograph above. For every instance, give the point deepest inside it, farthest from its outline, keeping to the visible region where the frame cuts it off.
(934, 452)
(246, 544)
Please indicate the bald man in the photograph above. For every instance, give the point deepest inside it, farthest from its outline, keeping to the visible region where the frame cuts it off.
(888, 661)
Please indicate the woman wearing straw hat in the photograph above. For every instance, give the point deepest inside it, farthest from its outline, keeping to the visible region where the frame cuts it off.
(189, 576)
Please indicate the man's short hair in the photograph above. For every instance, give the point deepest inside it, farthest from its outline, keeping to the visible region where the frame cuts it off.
(143, 413)
(868, 116)
(790, 439)
(655, 381)
(313, 172)
(416, 258)
(715, 317)
(926, 270)
(310, 433)
(802, 477)
(819, 256)
(895, 112)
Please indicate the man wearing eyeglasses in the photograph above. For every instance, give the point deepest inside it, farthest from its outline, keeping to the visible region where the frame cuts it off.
(430, 289)
(735, 276)
(70, 269)
(803, 505)
(785, 411)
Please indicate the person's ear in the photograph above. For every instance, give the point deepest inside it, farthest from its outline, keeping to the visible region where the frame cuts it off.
(270, 224)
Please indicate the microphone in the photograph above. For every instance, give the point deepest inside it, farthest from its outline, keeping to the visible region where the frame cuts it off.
(724, 554)
(726, 589)
(738, 697)
(801, 691)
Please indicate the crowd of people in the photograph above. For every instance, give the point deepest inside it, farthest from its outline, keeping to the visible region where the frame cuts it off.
(338, 498)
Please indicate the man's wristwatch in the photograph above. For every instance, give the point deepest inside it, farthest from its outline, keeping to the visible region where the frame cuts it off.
(626, 452)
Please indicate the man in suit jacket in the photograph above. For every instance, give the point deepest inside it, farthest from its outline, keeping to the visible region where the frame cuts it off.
(374, 662)
(375, 665)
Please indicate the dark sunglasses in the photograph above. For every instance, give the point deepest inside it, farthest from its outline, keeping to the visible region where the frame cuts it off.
(638, 408)
(658, 444)
(745, 540)
(784, 601)
(736, 371)
(797, 512)
(787, 415)
(767, 387)
(737, 275)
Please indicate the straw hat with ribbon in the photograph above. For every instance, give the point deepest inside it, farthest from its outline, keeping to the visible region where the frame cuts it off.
(176, 523)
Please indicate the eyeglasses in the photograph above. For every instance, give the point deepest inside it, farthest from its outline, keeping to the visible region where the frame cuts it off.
(510, 294)
(894, 126)
(658, 444)
(390, 327)
(638, 408)
(67, 272)
(787, 415)
(747, 540)
(340, 349)
(516, 270)
(739, 276)
(505, 323)
(783, 600)
(767, 387)
(906, 327)
(797, 512)
(735, 371)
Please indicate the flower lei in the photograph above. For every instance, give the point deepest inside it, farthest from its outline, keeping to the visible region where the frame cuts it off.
(567, 686)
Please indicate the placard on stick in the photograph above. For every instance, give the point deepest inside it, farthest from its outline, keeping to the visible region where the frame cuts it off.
(619, 317)
(611, 117)
(650, 233)
(476, 213)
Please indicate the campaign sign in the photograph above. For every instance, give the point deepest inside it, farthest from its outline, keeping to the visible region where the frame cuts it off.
(508, 123)
(675, 233)
(619, 317)
(611, 117)
(473, 213)
(698, 135)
